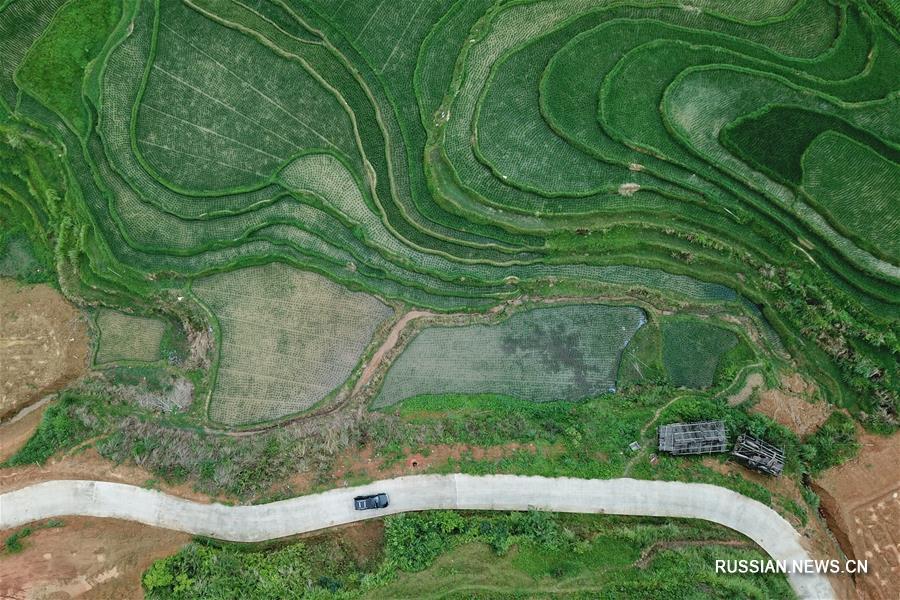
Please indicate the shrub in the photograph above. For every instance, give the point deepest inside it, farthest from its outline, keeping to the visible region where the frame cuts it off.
(63, 426)
(832, 444)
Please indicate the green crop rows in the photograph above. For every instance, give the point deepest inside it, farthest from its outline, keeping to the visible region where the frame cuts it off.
(559, 353)
(456, 154)
(127, 337)
(691, 351)
(278, 328)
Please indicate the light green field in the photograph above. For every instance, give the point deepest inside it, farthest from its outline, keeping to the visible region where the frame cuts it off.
(288, 339)
(545, 354)
(128, 337)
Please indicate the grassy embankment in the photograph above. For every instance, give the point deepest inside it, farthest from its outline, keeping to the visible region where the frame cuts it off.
(441, 554)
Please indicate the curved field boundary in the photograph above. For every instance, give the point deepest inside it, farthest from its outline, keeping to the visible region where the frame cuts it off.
(420, 492)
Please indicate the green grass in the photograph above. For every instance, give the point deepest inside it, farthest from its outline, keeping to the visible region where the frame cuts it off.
(733, 361)
(208, 571)
(53, 69)
(493, 555)
(473, 571)
(22, 260)
(592, 435)
(60, 429)
(833, 443)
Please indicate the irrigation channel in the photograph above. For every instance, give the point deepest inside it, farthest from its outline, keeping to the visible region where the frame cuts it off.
(420, 492)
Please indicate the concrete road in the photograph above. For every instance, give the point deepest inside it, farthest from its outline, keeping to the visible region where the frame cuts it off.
(420, 492)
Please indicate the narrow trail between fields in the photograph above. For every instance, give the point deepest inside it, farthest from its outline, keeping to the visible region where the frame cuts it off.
(253, 523)
(393, 337)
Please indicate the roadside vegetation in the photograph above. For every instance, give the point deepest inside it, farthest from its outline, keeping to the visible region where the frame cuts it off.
(65, 424)
(15, 542)
(488, 554)
(493, 434)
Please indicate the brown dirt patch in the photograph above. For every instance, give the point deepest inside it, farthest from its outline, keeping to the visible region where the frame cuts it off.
(16, 432)
(88, 464)
(85, 558)
(792, 405)
(43, 344)
(861, 500)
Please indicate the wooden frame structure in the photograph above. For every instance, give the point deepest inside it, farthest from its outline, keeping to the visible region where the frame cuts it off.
(703, 437)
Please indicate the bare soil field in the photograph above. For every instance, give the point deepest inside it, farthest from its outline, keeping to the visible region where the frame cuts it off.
(861, 500)
(43, 341)
(792, 406)
(85, 558)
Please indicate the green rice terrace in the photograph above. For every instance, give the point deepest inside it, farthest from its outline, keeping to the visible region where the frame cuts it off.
(301, 228)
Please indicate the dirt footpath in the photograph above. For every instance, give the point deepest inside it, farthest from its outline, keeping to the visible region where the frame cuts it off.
(14, 433)
(43, 344)
(85, 558)
(861, 500)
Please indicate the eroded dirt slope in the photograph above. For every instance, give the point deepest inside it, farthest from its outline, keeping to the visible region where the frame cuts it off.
(862, 501)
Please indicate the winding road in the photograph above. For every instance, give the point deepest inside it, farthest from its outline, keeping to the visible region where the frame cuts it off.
(420, 492)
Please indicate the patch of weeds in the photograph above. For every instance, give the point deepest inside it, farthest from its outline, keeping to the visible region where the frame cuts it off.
(13, 543)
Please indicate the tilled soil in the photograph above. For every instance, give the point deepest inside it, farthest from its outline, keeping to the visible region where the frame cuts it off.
(861, 500)
(43, 344)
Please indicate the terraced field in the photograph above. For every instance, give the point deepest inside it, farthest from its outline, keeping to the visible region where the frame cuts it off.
(289, 339)
(691, 351)
(561, 353)
(127, 337)
(456, 154)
